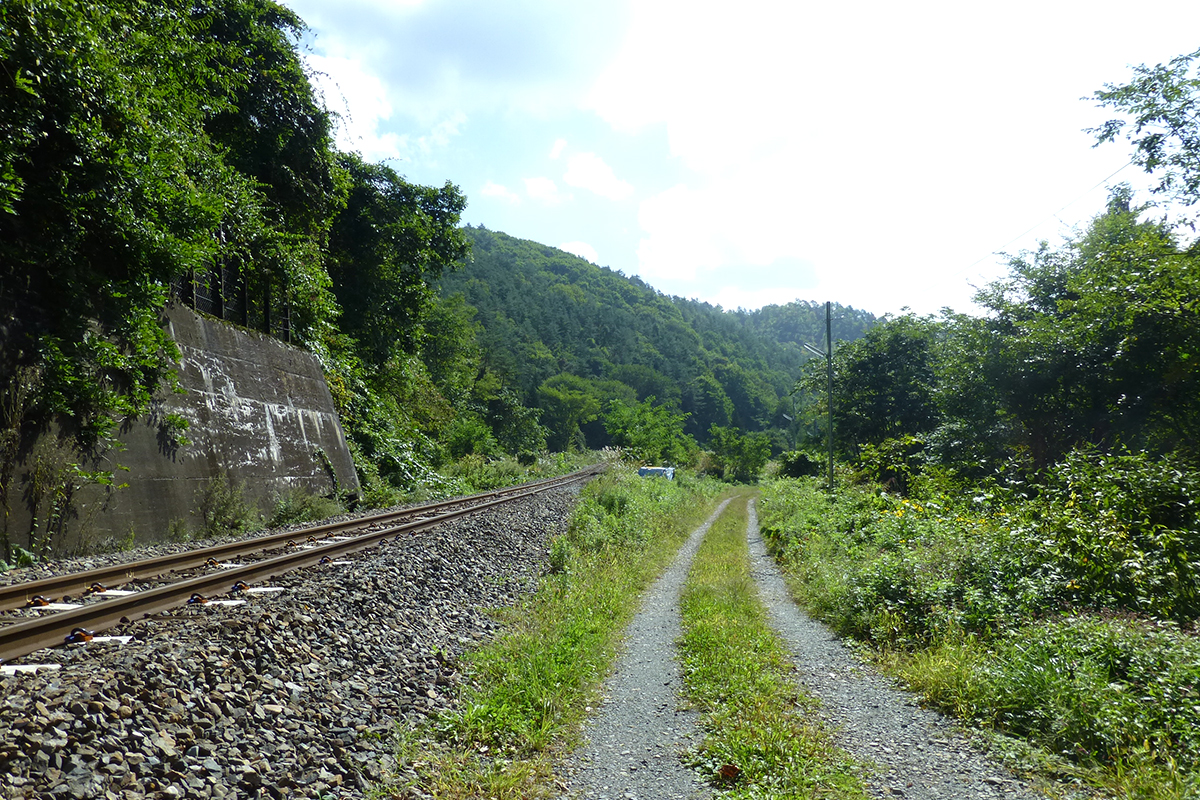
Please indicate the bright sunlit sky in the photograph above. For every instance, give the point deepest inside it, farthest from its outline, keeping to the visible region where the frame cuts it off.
(877, 154)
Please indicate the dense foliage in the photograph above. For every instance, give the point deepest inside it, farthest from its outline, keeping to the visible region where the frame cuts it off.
(573, 338)
(1055, 618)
(145, 146)
(1018, 533)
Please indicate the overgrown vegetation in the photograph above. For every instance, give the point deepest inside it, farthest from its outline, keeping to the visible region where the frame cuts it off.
(299, 505)
(222, 508)
(582, 343)
(1059, 612)
(760, 728)
(532, 688)
(1021, 541)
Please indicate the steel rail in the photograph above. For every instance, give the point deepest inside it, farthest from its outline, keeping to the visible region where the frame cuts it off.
(35, 634)
(18, 595)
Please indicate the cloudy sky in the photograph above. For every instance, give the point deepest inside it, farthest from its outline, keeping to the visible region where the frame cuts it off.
(878, 154)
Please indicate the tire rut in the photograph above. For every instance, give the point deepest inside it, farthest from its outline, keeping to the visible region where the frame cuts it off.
(633, 745)
(914, 753)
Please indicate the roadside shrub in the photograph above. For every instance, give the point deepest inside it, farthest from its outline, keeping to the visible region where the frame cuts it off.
(1091, 689)
(467, 435)
(298, 505)
(224, 510)
(1051, 611)
(892, 463)
(798, 464)
(1125, 531)
(620, 510)
(477, 473)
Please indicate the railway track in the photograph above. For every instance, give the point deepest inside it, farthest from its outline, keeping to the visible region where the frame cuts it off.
(105, 604)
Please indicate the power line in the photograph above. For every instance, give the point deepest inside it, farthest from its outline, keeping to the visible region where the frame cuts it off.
(1051, 216)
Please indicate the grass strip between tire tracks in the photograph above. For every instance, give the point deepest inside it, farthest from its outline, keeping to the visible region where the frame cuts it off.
(532, 688)
(761, 729)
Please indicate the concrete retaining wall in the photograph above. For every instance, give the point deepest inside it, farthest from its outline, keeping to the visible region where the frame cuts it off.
(259, 413)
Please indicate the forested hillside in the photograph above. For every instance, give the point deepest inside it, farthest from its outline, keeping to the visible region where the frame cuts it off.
(181, 156)
(572, 338)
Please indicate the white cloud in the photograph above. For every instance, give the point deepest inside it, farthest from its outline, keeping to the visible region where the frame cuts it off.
(525, 56)
(581, 249)
(677, 244)
(878, 150)
(543, 189)
(491, 189)
(359, 98)
(361, 101)
(588, 171)
(444, 131)
(885, 149)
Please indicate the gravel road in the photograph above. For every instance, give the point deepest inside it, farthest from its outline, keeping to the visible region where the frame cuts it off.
(634, 743)
(918, 753)
(294, 694)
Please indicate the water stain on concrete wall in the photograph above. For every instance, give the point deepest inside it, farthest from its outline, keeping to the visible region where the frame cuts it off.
(259, 414)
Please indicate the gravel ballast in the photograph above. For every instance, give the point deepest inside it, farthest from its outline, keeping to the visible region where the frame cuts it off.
(294, 693)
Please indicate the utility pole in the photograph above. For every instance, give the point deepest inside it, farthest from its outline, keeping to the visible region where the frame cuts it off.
(828, 354)
(829, 368)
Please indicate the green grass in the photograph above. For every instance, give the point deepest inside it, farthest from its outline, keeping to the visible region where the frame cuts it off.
(531, 689)
(1005, 614)
(738, 675)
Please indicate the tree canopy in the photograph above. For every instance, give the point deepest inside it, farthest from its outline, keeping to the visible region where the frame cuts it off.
(1091, 344)
(560, 329)
(146, 147)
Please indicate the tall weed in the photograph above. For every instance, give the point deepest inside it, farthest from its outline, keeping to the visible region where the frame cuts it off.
(1052, 611)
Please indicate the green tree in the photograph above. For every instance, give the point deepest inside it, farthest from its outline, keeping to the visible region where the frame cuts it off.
(450, 347)
(740, 457)
(884, 383)
(650, 433)
(707, 404)
(516, 426)
(389, 244)
(1099, 339)
(567, 402)
(1160, 105)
